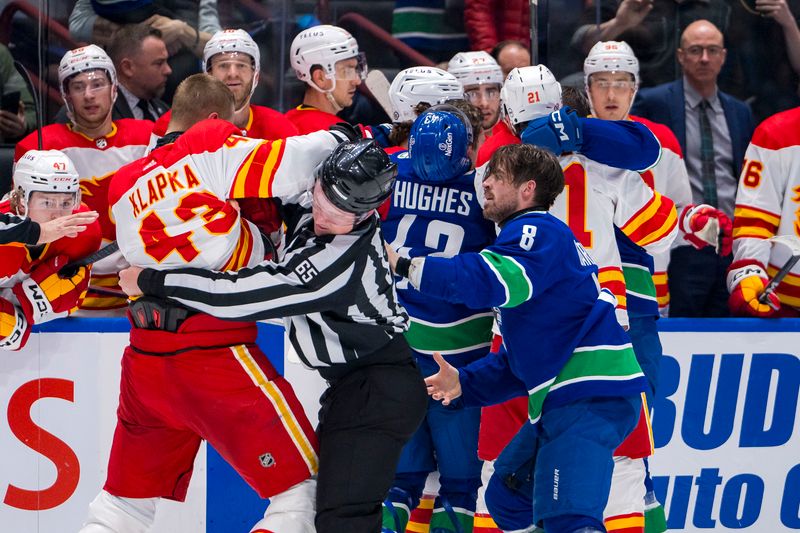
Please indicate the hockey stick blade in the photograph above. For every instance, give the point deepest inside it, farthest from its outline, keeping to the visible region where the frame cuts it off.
(69, 269)
(793, 243)
(378, 85)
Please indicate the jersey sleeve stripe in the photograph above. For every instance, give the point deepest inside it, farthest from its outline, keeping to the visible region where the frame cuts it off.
(755, 223)
(754, 212)
(611, 278)
(511, 275)
(240, 187)
(653, 222)
(271, 166)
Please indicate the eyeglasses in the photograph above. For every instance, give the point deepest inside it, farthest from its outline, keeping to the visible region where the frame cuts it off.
(617, 85)
(92, 86)
(491, 94)
(712, 51)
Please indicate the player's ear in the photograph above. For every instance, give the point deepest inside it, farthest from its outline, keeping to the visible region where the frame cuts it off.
(213, 115)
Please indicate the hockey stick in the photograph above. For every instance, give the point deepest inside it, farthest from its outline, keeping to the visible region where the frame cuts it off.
(378, 85)
(793, 243)
(70, 268)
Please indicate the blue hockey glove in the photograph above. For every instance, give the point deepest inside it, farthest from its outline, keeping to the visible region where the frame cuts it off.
(559, 132)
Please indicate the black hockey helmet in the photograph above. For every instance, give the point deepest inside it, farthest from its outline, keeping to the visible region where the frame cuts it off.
(357, 176)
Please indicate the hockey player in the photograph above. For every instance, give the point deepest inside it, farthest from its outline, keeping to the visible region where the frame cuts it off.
(188, 376)
(32, 291)
(335, 290)
(412, 89)
(611, 78)
(482, 78)
(97, 146)
(435, 209)
(580, 411)
(327, 60)
(767, 205)
(598, 203)
(22, 230)
(233, 57)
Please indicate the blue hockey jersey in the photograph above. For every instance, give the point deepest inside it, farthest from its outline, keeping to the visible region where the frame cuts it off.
(439, 219)
(561, 338)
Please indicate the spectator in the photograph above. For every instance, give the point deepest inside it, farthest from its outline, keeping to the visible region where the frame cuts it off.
(511, 54)
(14, 125)
(766, 206)
(490, 21)
(185, 26)
(651, 28)
(779, 11)
(713, 129)
(140, 59)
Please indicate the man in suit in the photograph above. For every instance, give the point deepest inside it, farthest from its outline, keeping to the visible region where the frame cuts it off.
(140, 58)
(713, 129)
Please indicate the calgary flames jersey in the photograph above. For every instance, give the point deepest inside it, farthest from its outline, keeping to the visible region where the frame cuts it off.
(670, 178)
(96, 161)
(768, 200)
(597, 198)
(307, 119)
(172, 207)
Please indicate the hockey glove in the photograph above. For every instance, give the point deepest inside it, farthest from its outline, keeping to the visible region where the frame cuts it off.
(561, 131)
(746, 282)
(704, 225)
(346, 132)
(14, 327)
(45, 295)
(380, 133)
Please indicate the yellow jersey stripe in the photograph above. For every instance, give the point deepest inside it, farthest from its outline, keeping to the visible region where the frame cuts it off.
(275, 396)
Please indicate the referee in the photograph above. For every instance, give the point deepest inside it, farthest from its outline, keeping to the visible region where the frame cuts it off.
(336, 294)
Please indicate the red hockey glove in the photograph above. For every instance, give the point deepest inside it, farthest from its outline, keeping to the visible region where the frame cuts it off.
(704, 225)
(746, 282)
(14, 327)
(45, 295)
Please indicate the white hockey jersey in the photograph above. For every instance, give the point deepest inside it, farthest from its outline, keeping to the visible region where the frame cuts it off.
(768, 200)
(596, 198)
(173, 207)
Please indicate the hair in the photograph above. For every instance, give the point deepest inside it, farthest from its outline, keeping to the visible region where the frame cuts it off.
(473, 114)
(576, 99)
(495, 53)
(198, 96)
(521, 163)
(127, 41)
(401, 130)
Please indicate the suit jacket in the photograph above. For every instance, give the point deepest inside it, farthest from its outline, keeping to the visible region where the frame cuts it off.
(121, 110)
(665, 104)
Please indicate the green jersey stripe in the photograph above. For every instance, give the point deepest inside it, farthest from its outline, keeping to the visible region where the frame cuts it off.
(512, 276)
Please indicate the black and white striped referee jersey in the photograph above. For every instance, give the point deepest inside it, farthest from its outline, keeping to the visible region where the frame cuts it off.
(18, 229)
(334, 292)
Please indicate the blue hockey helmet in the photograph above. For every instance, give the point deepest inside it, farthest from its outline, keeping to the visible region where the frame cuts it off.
(438, 144)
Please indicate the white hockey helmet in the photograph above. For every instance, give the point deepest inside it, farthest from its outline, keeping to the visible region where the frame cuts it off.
(45, 171)
(90, 57)
(475, 68)
(611, 56)
(416, 85)
(232, 40)
(529, 93)
(323, 45)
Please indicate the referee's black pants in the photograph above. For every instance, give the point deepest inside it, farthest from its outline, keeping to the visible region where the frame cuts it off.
(365, 420)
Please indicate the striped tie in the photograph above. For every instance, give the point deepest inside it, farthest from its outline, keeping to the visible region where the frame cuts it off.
(707, 157)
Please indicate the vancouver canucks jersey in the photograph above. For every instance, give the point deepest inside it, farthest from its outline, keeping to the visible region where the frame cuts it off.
(439, 219)
(561, 338)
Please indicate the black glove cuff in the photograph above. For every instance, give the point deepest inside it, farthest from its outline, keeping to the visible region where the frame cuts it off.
(402, 267)
(151, 282)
